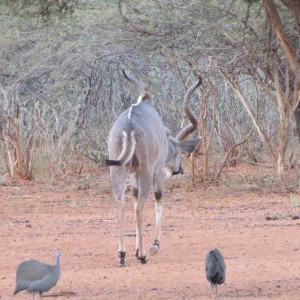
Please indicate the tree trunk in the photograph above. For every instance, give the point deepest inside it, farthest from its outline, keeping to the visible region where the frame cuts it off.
(203, 111)
(287, 46)
(282, 145)
(9, 155)
(18, 157)
(297, 119)
(284, 99)
(285, 43)
(203, 130)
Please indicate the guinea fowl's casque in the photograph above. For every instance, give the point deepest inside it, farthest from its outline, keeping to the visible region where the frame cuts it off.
(215, 268)
(37, 277)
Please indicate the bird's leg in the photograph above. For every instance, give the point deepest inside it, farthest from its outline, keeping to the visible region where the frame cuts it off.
(212, 287)
(41, 296)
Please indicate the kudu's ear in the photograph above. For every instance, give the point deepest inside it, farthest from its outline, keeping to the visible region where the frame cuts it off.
(189, 146)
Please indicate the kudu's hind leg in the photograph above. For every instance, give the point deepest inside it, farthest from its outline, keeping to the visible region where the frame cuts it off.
(135, 194)
(122, 251)
(144, 186)
(158, 185)
(140, 252)
(118, 187)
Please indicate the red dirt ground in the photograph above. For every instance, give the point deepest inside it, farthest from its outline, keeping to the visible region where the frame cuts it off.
(78, 217)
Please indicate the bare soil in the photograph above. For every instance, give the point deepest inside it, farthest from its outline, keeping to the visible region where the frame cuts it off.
(252, 227)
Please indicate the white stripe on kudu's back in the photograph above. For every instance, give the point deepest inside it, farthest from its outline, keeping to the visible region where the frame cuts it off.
(130, 110)
(142, 97)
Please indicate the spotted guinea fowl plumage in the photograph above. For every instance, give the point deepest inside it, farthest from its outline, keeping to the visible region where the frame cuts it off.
(37, 277)
(215, 268)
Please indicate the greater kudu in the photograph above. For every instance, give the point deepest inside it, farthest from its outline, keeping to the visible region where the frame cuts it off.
(138, 145)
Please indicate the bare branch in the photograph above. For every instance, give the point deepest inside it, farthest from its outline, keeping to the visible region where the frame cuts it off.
(237, 89)
(230, 150)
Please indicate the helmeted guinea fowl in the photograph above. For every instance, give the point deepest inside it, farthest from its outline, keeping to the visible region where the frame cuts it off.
(37, 277)
(215, 268)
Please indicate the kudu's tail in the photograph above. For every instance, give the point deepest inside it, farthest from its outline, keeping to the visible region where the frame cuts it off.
(128, 147)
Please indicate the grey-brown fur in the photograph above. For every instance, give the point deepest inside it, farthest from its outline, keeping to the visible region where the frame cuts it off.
(139, 147)
(36, 277)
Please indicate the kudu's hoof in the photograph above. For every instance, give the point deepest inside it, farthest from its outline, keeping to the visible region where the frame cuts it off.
(153, 249)
(122, 260)
(121, 264)
(143, 259)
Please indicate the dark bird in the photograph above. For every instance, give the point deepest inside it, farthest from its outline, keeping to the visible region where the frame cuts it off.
(37, 277)
(215, 268)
